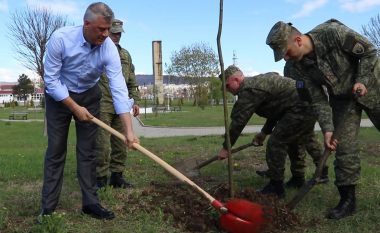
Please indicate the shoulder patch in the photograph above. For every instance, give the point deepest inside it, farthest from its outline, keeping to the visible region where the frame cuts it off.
(353, 45)
(358, 49)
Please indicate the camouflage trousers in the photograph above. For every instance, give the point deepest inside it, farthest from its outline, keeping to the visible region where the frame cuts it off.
(291, 134)
(111, 152)
(297, 154)
(346, 119)
(374, 115)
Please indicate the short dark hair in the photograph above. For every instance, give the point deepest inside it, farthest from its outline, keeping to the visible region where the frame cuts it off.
(98, 9)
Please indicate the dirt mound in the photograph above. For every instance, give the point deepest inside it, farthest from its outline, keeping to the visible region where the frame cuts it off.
(192, 211)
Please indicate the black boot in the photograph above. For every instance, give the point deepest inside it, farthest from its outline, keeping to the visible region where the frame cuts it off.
(117, 181)
(346, 205)
(295, 182)
(101, 181)
(274, 188)
(324, 176)
(263, 173)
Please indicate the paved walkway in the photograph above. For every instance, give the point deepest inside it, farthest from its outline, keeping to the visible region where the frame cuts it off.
(155, 132)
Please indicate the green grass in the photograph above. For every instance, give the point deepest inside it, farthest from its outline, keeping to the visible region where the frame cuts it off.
(191, 116)
(21, 158)
(4, 112)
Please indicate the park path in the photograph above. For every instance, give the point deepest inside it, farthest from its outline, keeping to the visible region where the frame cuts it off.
(154, 131)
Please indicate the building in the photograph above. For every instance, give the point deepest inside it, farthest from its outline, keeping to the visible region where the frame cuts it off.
(6, 94)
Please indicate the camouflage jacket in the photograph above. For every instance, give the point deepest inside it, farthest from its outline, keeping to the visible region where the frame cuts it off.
(128, 69)
(268, 95)
(341, 58)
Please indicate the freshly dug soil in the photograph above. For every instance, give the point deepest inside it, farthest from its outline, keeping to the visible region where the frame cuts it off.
(191, 210)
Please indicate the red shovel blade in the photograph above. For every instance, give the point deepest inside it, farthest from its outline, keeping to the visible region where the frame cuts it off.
(244, 217)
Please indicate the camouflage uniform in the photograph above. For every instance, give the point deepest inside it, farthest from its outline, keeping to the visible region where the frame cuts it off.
(341, 58)
(312, 146)
(334, 60)
(297, 161)
(111, 151)
(273, 97)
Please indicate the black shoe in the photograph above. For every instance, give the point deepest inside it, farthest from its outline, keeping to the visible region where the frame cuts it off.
(325, 176)
(346, 205)
(274, 188)
(295, 182)
(117, 181)
(101, 182)
(97, 211)
(263, 173)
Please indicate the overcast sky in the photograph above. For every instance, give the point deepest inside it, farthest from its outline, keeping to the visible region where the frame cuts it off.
(179, 23)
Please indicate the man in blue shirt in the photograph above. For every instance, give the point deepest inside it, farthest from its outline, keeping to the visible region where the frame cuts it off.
(76, 57)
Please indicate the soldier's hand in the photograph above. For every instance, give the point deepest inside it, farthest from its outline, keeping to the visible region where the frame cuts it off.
(223, 153)
(330, 142)
(136, 110)
(359, 90)
(259, 139)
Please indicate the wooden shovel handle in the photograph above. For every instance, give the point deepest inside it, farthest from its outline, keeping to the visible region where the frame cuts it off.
(154, 157)
(216, 157)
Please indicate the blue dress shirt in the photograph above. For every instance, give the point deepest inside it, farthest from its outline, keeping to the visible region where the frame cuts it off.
(72, 65)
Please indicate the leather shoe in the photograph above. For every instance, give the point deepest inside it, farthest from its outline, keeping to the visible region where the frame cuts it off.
(97, 211)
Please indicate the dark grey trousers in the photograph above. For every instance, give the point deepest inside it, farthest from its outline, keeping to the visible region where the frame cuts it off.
(58, 122)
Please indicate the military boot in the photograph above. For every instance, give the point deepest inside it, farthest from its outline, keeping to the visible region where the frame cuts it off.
(101, 181)
(346, 205)
(274, 188)
(324, 176)
(295, 182)
(262, 173)
(117, 181)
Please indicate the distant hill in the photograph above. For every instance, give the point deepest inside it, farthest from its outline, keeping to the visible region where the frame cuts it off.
(148, 79)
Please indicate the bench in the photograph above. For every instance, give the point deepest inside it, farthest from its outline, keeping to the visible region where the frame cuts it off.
(18, 115)
(176, 109)
(159, 109)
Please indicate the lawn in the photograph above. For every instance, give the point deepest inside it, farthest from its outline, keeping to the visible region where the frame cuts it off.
(193, 116)
(21, 158)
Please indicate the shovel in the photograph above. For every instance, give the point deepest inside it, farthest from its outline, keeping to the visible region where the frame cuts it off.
(310, 183)
(237, 215)
(191, 166)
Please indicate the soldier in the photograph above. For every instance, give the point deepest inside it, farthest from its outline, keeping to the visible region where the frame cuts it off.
(275, 98)
(297, 164)
(111, 152)
(335, 59)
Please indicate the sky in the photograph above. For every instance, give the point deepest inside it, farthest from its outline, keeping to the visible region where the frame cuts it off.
(179, 23)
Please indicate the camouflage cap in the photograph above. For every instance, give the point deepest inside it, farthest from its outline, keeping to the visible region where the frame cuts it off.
(277, 39)
(117, 26)
(230, 71)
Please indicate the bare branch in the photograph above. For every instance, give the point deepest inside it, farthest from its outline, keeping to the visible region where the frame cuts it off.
(372, 31)
(29, 32)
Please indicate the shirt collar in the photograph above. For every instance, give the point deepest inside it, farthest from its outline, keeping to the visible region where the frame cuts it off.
(83, 41)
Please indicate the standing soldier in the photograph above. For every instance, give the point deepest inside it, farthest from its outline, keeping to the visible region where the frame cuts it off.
(111, 152)
(334, 58)
(275, 98)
